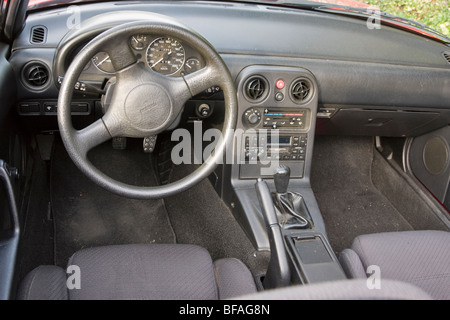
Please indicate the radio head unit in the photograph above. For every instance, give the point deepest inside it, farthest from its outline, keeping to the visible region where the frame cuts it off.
(274, 147)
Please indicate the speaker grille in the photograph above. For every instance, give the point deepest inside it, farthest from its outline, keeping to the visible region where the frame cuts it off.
(435, 156)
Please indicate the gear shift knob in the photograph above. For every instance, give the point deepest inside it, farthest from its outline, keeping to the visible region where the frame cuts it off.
(281, 178)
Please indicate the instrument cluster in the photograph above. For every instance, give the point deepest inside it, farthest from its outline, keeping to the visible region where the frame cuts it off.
(162, 54)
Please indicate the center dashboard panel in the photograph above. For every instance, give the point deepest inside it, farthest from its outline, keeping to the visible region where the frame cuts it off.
(278, 107)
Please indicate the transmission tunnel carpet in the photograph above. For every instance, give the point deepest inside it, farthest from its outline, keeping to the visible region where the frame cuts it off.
(86, 215)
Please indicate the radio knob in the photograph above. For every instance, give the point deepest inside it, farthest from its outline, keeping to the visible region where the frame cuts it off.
(253, 117)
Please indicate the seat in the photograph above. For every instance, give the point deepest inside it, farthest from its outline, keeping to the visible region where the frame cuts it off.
(157, 272)
(421, 258)
(185, 272)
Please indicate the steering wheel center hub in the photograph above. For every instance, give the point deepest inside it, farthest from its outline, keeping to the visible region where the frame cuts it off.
(148, 107)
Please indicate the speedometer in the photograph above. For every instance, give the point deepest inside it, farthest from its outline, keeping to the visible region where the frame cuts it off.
(165, 55)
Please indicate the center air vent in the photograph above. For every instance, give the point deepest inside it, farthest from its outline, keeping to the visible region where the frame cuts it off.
(38, 35)
(255, 88)
(301, 90)
(35, 75)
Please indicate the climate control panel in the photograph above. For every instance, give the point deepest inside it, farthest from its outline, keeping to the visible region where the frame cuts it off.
(276, 118)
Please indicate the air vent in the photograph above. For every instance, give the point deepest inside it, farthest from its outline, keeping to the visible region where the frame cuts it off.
(35, 75)
(255, 88)
(446, 56)
(301, 90)
(38, 35)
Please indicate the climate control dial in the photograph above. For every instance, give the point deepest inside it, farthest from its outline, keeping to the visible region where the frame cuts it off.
(252, 116)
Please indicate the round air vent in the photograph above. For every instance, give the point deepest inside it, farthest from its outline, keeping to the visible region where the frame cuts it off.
(35, 75)
(301, 90)
(256, 88)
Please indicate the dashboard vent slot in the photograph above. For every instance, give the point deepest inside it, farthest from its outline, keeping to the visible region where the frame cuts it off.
(301, 90)
(35, 75)
(255, 88)
(38, 35)
(446, 56)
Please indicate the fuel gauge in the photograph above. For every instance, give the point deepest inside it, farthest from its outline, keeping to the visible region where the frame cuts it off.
(192, 65)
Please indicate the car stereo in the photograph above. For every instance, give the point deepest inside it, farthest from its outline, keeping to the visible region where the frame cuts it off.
(268, 146)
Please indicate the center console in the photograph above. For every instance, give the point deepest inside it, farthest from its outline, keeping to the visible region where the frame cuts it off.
(278, 107)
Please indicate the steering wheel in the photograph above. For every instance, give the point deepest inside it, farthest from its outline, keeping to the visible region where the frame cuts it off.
(144, 102)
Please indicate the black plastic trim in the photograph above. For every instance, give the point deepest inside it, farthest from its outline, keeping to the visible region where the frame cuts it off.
(9, 239)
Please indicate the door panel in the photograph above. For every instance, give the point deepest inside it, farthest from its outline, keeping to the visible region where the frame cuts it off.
(429, 159)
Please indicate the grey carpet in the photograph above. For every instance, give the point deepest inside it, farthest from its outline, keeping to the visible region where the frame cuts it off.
(87, 215)
(350, 203)
(200, 217)
(406, 200)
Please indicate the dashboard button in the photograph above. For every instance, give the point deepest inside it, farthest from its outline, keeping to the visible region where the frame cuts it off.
(279, 96)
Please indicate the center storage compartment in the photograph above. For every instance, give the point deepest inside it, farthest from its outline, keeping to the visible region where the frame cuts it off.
(313, 258)
(312, 250)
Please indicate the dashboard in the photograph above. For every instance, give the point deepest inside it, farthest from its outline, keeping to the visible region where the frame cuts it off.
(374, 82)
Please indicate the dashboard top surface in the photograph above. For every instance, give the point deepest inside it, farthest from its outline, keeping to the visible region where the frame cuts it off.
(352, 64)
(260, 30)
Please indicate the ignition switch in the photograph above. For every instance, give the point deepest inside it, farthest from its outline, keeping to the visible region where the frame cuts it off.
(204, 110)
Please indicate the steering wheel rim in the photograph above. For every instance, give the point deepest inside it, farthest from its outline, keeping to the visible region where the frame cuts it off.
(79, 142)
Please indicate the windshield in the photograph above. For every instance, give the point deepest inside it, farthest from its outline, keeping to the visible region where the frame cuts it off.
(434, 14)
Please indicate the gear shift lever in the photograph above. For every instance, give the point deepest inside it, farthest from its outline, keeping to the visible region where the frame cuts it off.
(287, 202)
(281, 179)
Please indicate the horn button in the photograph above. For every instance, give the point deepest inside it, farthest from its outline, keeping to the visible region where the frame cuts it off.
(148, 107)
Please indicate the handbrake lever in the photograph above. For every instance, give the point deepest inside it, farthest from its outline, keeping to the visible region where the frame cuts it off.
(278, 273)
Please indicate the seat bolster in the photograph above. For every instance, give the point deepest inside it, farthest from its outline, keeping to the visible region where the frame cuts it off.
(421, 258)
(44, 283)
(355, 289)
(352, 265)
(233, 278)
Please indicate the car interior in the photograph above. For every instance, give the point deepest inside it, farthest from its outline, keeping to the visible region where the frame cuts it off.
(221, 149)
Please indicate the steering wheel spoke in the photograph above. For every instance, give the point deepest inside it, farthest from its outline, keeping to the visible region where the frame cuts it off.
(92, 136)
(120, 54)
(178, 88)
(203, 79)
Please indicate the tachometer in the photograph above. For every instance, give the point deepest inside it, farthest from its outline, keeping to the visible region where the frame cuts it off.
(165, 55)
